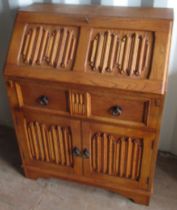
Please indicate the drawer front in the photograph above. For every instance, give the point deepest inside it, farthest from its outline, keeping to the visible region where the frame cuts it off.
(115, 107)
(42, 96)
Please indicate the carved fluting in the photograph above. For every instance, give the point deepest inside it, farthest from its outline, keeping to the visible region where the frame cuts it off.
(127, 53)
(116, 156)
(49, 46)
(79, 103)
(49, 144)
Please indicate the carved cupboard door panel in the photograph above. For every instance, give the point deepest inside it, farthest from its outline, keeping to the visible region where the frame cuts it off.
(50, 142)
(117, 155)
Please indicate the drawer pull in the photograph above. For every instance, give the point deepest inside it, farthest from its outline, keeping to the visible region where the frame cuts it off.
(76, 151)
(85, 153)
(116, 110)
(43, 100)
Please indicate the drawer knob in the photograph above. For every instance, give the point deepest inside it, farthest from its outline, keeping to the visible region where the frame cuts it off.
(86, 153)
(116, 110)
(76, 151)
(43, 100)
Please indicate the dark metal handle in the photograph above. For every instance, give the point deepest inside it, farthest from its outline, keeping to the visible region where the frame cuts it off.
(116, 110)
(76, 152)
(43, 100)
(86, 153)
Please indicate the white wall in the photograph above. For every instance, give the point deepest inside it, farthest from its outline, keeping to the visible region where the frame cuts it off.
(169, 123)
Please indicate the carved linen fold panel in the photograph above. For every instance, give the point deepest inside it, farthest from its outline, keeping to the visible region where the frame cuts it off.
(125, 53)
(116, 155)
(49, 45)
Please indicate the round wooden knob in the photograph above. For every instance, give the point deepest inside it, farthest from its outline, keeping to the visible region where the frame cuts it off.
(116, 110)
(43, 100)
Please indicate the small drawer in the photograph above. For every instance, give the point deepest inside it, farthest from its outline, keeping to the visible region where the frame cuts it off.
(43, 96)
(114, 107)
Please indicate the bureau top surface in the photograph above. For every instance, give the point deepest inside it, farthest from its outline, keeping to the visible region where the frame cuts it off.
(99, 10)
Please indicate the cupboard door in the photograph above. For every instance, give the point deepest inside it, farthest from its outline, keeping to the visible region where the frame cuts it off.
(117, 155)
(51, 142)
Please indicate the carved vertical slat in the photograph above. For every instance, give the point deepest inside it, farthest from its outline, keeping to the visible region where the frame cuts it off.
(140, 65)
(112, 52)
(94, 153)
(62, 149)
(81, 104)
(55, 47)
(147, 54)
(39, 138)
(62, 47)
(34, 139)
(49, 47)
(135, 54)
(28, 140)
(73, 45)
(43, 46)
(116, 158)
(31, 141)
(69, 146)
(129, 157)
(134, 159)
(139, 161)
(37, 46)
(55, 144)
(99, 153)
(127, 54)
(121, 54)
(107, 51)
(111, 155)
(45, 142)
(26, 44)
(31, 45)
(66, 146)
(122, 157)
(51, 147)
(77, 103)
(93, 51)
(68, 46)
(105, 153)
(99, 51)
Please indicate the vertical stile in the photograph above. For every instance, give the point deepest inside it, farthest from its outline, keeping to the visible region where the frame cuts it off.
(112, 54)
(44, 132)
(66, 146)
(135, 54)
(62, 47)
(34, 139)
(28, 140)
(38, 42)
(31, 45)
(106, 51)
(43, 46)
(39, 138)
(55, 47)
(62, 152)
(68, 47)
(122, 157)
(93, 51)
(99, 51)
(105, 153)
(129, 157)
(134, 160)
(110, 164)
(99, 153)
(55, 144)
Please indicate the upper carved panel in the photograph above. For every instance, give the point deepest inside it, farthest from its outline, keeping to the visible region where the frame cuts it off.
(127, 53)
(46, 45)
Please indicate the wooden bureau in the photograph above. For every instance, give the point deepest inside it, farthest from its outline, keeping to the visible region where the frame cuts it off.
(86, 86)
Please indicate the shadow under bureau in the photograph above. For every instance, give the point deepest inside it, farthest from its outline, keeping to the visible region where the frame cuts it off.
(86, 86)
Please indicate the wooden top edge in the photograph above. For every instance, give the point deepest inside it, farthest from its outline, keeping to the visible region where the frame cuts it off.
(99, 10)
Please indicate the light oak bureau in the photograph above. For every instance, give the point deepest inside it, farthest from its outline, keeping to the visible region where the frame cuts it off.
(86, 85)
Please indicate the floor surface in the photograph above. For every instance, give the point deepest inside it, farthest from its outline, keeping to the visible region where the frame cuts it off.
(20, 193)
